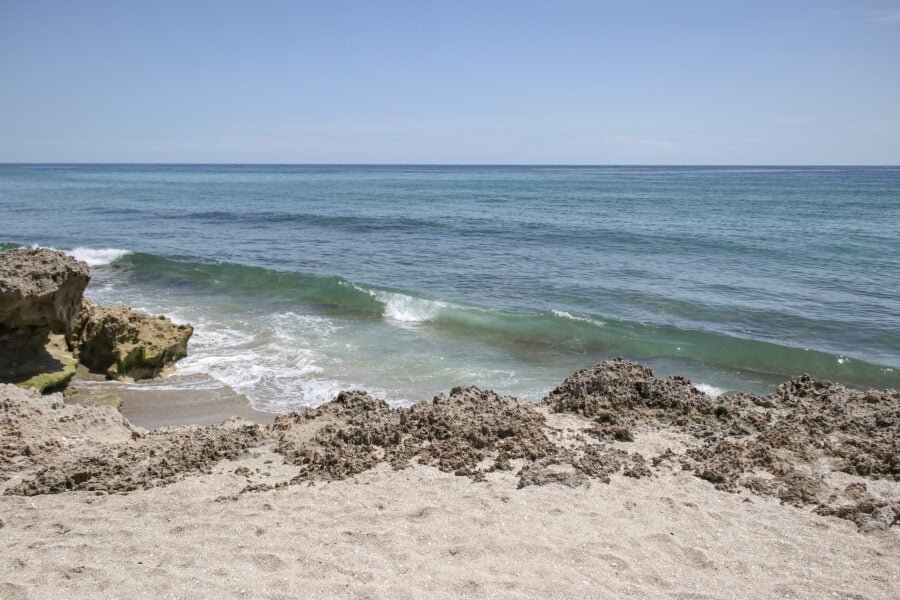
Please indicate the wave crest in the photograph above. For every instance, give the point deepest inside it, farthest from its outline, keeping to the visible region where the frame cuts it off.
(96, 257)
(407, 309)
(567, 315)
(710, 390)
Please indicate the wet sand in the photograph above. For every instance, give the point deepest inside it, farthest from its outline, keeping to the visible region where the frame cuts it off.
(147, 406)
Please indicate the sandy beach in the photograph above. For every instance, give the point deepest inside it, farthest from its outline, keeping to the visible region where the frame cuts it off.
(423, 533)
(150, 407)
(247, 521)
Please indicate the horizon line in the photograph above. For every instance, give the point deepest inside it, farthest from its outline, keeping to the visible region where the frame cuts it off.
(452, 164)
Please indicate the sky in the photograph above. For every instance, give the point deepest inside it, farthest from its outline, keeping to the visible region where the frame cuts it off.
(461, 82)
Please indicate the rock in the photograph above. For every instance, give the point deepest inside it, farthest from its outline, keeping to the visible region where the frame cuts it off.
(126, 344)
(40, 296)
(619, 393)
(40, 293)
(36, 429)
(470, 432)
(788, 444)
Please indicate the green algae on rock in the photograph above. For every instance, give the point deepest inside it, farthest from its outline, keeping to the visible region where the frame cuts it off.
(52, 380)
(43, 366)
(127, 344)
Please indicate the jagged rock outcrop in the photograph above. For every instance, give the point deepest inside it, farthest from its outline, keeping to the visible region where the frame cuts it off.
(469, 432)
(42, 301)
(127, 344)
(810, 444)
(619, 392)
(35, 429)
(40, 293)
(793, 444)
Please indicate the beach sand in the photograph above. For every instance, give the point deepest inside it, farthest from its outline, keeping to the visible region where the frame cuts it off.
(234, 511)
(421, 533)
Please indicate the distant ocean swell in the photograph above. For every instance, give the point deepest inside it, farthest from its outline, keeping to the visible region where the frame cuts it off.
(546, 329)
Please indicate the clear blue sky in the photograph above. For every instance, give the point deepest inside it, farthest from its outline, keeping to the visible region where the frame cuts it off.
(774, 82)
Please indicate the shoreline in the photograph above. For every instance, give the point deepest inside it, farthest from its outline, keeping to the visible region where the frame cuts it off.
(149, 407)
(618, 482)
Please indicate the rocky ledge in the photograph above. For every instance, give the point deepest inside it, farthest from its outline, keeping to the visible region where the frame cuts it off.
(47, 327)
(40, 292)
(812, 445)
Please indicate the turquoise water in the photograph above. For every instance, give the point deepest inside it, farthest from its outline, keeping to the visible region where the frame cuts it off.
(303, 280)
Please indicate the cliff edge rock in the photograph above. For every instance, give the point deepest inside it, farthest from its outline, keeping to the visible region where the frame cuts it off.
(40, 293)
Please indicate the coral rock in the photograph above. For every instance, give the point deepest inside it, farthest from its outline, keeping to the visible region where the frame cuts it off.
(40, 292)
(126, 344)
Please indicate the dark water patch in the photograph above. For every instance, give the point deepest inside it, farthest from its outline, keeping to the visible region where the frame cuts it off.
(348, 222)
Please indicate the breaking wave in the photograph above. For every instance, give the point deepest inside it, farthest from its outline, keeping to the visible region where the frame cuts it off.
(405, 308)
(96, 257)
(710, 390)
(555, 331)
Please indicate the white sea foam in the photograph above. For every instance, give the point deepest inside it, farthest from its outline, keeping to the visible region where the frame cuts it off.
(275, 367)
(96, 257)
(409, 309)
(567, 315)
(406, 309)
(710, 390)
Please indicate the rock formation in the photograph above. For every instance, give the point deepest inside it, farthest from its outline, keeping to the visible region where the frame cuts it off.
(40, 293)
(798, 444)
(809, 444)
(469, 432)
(45, 323)
(64, 447)
(126, 344)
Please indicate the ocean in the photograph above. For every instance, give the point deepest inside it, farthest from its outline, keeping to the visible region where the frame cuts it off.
(408, 280)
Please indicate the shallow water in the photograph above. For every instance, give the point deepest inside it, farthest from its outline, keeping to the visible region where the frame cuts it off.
(303, 280)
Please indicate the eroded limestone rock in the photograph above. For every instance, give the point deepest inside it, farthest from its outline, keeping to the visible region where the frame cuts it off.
(127, 344)
(40, 293)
